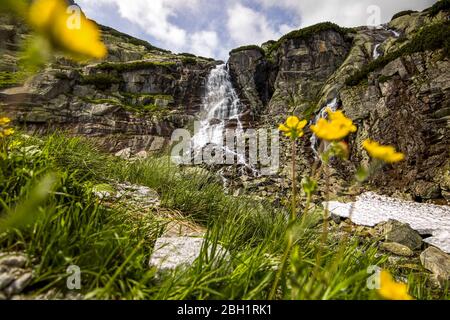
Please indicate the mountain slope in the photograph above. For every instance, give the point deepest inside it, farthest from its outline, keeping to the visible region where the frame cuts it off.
(393, 82)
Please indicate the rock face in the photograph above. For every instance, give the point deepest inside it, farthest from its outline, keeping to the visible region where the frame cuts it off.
(437, 262)
(133, 99)
(409, 110)
(404, 103)
(295, 67)
(250, 72)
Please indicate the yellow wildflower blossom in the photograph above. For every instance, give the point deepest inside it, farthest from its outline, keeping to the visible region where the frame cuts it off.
(385, 153)
(4, 121)
(336, 128)
(8, 132)
(392, 290)
(50, 18)
(293, 128)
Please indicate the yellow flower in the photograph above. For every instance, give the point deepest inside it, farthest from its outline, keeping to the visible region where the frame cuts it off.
(293, 128)
(8, 132)
(4, 121)
(336, 128)
(384, 153)
(50, 18)
(392, 290)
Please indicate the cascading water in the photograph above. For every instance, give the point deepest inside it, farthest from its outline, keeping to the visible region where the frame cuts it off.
(221, 105)
(333, 105)
(376, 53)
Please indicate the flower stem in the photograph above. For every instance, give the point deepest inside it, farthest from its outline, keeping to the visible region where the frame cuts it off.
(290, 242)
(294, 182)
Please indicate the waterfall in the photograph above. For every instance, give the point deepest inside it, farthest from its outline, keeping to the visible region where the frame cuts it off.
(333, 105)
(395, 33)
(221, 105)
(376, 54)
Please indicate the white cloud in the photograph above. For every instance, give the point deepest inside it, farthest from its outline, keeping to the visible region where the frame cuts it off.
(204, 43)
(247, 26)
(212, 28)
(343, 12)
(153, 17)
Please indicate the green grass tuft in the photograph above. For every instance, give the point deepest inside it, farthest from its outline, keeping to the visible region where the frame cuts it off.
(67, 225)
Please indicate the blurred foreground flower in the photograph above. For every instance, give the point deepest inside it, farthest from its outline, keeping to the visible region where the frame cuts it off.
(69, 32)
(336, 128)
(392, 290)
(4, 130)
(385, 153)
(293, 128)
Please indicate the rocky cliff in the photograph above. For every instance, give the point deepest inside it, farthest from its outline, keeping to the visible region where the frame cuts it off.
(393, 81)
(134, 99)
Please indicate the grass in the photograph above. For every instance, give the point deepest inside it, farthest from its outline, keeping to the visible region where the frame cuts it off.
(402, 13)
(132, 66)
(442, 5)
(434, 37)
(250, 47)
(101, 81)
(68, 225)
(11, 79)
(127, 38)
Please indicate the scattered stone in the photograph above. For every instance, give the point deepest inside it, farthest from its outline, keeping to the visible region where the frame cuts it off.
(128, 194)
(13, 261)
(172, 253)
(19, 284)
(402, 233)
(437, 262)
(124, 153)
(141, 196)
(337, 219)
(157, 144)
(397, 248)
(5, 280)
(141, 155)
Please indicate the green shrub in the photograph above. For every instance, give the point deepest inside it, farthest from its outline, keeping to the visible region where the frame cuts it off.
(432, 37)
(185, 54)
(308, 32)
(207, 59)
(384, 78)
(402, 13)
(127, 38)
(442, 5)
(61, 76)
(101, 81)
(132, 66)
(11, 79)
(249, 47)
(189, 60)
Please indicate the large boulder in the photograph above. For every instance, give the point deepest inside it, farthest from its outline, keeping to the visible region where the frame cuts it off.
(437, 262)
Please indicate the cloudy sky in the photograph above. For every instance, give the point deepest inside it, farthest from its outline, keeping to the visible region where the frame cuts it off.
(212, 28)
